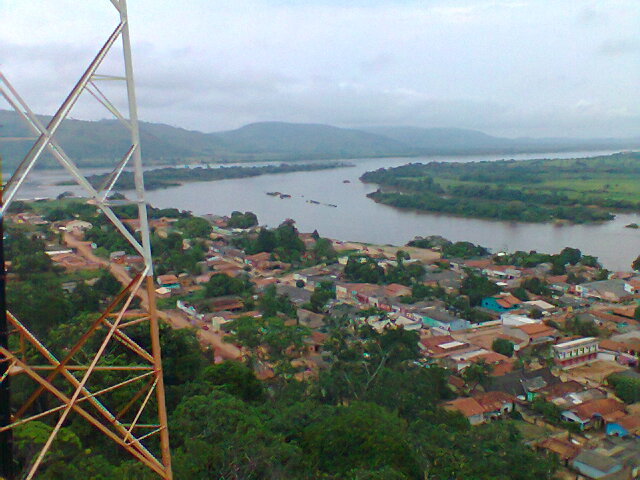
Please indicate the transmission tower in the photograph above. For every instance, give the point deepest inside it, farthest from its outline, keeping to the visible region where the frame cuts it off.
(64, 378)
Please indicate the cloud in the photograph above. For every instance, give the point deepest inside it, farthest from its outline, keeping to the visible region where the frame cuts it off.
(623, 46)
(518, 68)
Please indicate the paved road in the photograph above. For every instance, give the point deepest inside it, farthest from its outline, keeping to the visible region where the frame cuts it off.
(174, 318)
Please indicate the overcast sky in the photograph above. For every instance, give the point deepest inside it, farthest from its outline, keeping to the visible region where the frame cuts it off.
(512, 68)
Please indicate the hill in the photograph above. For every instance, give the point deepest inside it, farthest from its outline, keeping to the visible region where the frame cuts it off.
(457, 141)
(314, 140)
(100, 143)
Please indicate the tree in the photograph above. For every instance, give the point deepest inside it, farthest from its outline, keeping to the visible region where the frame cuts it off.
(536, 286)
(585, 328)
(84, 298)
(242, 220)
(323, 251)
(321, 295)
(107, 284)
(265, 242)
(569, 255)
(477, 373)
(222, 284)
(363, 269)
(503, 347)
(271, 303)
(220, 436)
(360, 436)
(476, 287)
(626, 388)
(234, 378)
(194, 227)
(636, 264)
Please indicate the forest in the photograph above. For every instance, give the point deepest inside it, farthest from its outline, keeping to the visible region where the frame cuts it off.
(573, 190)
(173, 176)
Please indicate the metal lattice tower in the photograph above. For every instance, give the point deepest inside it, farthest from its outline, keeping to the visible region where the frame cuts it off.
(64, 378)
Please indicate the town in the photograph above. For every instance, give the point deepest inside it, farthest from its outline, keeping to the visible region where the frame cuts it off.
(550, 342)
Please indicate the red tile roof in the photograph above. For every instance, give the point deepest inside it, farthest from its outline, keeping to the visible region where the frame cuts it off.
(631, 423)
(537, 330)
(492, 401)
(478, 263)
(601, 406)
(167, 279)
(466, 406)
(563, 448)
(396, 290)
(562, 389)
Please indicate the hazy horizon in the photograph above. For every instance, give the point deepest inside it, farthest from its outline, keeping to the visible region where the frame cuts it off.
(506, 68)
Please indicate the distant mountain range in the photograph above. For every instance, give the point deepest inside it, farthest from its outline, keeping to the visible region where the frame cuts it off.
(99, 143)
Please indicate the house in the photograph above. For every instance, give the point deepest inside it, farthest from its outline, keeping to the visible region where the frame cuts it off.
(523, 383)
(168, 281)
(258, 260)
(612, 321)
(615, 290)
(442, 319)
(513, 320)
(310, 319)
(533, 333)
(564, 449)
(77, 226)
(262, 283)
(572, 301)
(483, 407)
(458, 361)
(502, 272)
(479, 264)
(447, 279)
(359, 293)
(625, 426)
(539, 305)
(624, 450)
(551, 393)
(407, 323)
(133, 260)
(30, 218)
(501, 302)
(620, 352)
(229, 304)
(117, 257)
(163, 292)
(495, 404)
(189, 309)
(468, 407)
(74, 262)
(575, 352)
(395, 290)
(573, 399)
(595, 465)
(613, 459)
(441, 346)
(594, 413)
(298, 296)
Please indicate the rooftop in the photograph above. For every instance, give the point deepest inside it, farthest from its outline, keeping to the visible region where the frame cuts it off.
(576, 343)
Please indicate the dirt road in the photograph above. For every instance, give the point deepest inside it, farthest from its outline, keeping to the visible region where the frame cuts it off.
(173, 318)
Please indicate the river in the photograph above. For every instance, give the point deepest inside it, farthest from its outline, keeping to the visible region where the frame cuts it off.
(358, 218)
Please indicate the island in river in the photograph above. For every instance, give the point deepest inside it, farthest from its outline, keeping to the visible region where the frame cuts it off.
(579, 190)
(174, 176)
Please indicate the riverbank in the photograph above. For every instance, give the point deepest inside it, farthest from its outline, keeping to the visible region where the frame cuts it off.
(172, 177)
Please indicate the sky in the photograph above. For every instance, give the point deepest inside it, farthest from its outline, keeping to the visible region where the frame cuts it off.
(539, 68)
